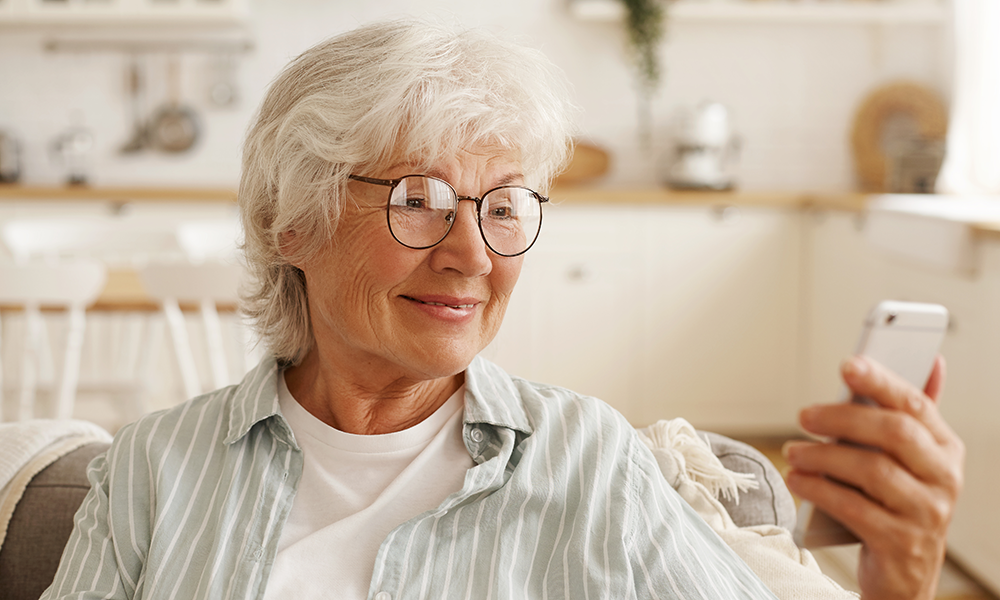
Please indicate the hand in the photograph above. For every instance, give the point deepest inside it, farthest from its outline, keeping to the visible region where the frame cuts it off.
(905, 495)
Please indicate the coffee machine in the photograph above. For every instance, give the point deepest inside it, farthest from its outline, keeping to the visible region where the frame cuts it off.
(704, 149)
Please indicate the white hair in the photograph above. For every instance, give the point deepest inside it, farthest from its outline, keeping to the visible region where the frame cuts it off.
(389, 91)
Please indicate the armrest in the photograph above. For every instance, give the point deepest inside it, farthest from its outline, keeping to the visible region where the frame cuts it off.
(42, 523)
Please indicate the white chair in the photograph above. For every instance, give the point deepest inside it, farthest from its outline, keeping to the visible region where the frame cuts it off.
(206, 285)
(67, 286)
(121, 345)
(113, 239)
(210, 239)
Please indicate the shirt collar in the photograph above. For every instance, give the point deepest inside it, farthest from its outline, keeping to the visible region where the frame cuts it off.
(491, 397)
(255, 399)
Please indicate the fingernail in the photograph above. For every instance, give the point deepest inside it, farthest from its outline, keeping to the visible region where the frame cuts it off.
(791, 446)
(807, 415)
(915, 404)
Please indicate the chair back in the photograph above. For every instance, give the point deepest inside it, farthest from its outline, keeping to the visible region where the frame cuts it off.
(69, 287)
(191, 282)
(114, 239)
(205, 284)
(210, 239)
(63, 284)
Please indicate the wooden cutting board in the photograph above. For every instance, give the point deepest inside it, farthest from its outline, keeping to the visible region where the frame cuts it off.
(588, 162)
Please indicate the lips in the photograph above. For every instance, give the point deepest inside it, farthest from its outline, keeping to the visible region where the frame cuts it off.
(455, 303)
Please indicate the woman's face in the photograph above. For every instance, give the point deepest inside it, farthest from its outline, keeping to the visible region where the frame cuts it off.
(381, 307)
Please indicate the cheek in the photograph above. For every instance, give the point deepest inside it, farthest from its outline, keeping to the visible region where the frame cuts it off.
(505, 274)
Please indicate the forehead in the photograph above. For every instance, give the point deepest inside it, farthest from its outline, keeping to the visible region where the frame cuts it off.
(487, 160)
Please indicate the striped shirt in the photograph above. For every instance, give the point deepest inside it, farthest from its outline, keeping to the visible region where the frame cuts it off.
(564, 501)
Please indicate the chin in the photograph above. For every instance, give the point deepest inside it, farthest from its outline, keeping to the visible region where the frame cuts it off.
(444, 362)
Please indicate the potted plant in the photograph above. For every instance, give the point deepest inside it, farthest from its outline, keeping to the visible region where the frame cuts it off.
(645, 22)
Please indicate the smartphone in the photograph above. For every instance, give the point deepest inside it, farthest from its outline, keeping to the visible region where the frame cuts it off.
(905, 338)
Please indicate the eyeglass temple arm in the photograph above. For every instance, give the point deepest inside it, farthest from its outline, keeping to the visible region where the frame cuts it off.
(389, 182)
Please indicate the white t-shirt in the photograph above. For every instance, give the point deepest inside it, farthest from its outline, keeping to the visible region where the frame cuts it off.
(355, 489)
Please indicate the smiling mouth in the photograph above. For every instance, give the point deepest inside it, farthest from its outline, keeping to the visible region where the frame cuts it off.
(455, 306)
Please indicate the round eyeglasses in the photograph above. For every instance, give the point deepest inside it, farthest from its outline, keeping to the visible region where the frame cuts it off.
(421, 211)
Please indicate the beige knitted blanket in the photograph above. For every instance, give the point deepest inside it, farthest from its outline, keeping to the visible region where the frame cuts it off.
(688, 464)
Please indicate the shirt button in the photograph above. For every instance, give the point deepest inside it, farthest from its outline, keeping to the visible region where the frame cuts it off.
(383, 596)
(477, 436)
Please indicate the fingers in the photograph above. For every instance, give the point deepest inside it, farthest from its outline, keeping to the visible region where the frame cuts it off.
(867, 378)
(876, 474)
(858, 513)
(899, 434)
(936, 381)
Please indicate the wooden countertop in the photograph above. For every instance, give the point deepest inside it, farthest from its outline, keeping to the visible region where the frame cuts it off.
(575, 194)
(14, 192)
(569, 194)
(851, 201)
(581, 194)
(124, 291)
(987, 230)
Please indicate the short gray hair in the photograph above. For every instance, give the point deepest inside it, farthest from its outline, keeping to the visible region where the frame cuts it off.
(387, 91)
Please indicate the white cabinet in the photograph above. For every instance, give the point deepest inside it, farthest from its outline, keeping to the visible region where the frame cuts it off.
(575, 314)
(972, 407)
(663, 312)
(721, 316)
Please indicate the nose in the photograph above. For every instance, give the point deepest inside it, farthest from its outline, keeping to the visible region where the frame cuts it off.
(463, 249)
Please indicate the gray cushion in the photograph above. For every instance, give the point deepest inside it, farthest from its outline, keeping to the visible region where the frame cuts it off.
(41, 524)
(769, 504)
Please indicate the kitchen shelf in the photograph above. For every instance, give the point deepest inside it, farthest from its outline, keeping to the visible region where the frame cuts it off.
(777, 11)
(121, 13)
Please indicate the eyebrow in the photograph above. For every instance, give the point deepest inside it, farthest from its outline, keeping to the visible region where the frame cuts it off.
(508, 179)
(513, 177)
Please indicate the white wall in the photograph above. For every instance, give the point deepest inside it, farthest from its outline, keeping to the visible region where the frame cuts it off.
(792, 87)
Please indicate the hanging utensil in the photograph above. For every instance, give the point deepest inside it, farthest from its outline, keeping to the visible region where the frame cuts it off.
(175, 127)
(223, 92)
(134, 83)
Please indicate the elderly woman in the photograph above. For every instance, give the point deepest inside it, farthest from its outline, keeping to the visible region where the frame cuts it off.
(392, 183)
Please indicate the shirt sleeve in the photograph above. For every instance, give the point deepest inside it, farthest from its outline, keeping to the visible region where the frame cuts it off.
(92, 565)
(673, 553)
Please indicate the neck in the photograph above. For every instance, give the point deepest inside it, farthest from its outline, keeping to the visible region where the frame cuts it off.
(366, 403)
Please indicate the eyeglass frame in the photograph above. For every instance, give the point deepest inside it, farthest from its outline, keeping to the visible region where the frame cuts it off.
(393, 183)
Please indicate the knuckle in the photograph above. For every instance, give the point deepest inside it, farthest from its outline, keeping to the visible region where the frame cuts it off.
(913, 545)
(917, 403)
(884, 472)
(959, 450)
(953, 481)
(939, 513)
(900, 430)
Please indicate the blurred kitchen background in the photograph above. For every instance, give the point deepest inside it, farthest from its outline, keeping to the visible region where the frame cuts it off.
(711, 253)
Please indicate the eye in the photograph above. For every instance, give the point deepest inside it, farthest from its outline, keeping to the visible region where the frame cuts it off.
(501, 212)
(415, 202)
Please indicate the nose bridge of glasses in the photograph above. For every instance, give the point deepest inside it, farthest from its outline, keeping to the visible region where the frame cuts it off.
(478, 201)
(458, 206)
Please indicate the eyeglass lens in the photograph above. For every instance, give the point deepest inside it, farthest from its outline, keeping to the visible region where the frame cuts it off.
(422, 209)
